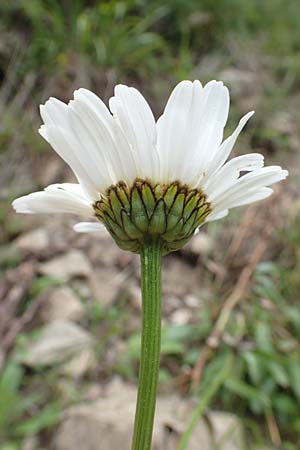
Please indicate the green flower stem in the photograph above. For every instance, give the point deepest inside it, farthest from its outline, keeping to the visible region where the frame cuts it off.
(150, 346)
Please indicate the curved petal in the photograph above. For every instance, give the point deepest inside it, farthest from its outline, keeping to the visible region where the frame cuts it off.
(227, 175)
(191, 128)
(245, 198)
(55, 112)
(225, 149)
(59, 198)
(245, 188)
(96, 143)
(136, 120)
(86, 136)
(107, 133)
(67, 148)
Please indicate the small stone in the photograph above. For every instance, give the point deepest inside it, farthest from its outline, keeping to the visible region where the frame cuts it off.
(62, 304)
(105, 251)
(92, 391)
(105, 285)
(35, 241)
(66, 266)
(181, 316)
(109, 420)
(227, 430)
(59, 341)
(80, 363)
(171, 303)
(192, 301)
(179, 279)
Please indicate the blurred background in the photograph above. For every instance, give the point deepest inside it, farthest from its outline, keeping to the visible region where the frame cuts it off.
(70, 304)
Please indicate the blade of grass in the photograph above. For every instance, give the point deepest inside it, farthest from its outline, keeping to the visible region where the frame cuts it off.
(205, 400)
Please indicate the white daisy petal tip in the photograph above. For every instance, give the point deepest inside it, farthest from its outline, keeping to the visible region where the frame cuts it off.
(89, 227)
(57, 198)
(20, 206)
(43, 131)
(197, 83)
(245, 118)
(78, 92)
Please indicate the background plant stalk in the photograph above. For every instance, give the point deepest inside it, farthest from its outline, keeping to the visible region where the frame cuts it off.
(150, 345)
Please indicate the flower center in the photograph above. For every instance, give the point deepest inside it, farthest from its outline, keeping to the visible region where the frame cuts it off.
(170, 213)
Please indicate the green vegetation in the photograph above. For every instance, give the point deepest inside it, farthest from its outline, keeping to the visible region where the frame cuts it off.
(262, 340)
(137, 38)
(262, 337)
(23, 413)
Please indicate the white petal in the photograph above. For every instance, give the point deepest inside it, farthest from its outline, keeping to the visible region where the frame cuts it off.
(96, 105)
(191, 128)
(245, 198)
(215, 115)
(55, 112)
(217, 215)
(225, 149)
(110, 137)
(135, 118)
(69, 150)
(58, 132)
(95, 142)
(175, 125)
(59, 198)
(248, 185)
(89, 227)
(227, 175)
(71, 188)
(86, 136)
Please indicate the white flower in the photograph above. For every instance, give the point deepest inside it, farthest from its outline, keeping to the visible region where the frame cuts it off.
(184, 146)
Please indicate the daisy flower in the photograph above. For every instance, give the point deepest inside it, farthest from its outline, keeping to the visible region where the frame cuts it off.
(138, 177)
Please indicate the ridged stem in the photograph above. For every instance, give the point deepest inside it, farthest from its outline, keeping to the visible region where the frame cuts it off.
(150, 345)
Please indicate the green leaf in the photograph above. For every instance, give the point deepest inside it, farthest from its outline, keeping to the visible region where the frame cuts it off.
(294, 372)
(247, 391)
(45, 419)
(254, 366)
(279, 374)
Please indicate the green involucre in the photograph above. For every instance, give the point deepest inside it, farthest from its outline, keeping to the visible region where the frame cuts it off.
(170, 213)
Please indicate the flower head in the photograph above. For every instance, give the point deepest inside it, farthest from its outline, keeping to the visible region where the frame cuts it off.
(142, 178)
